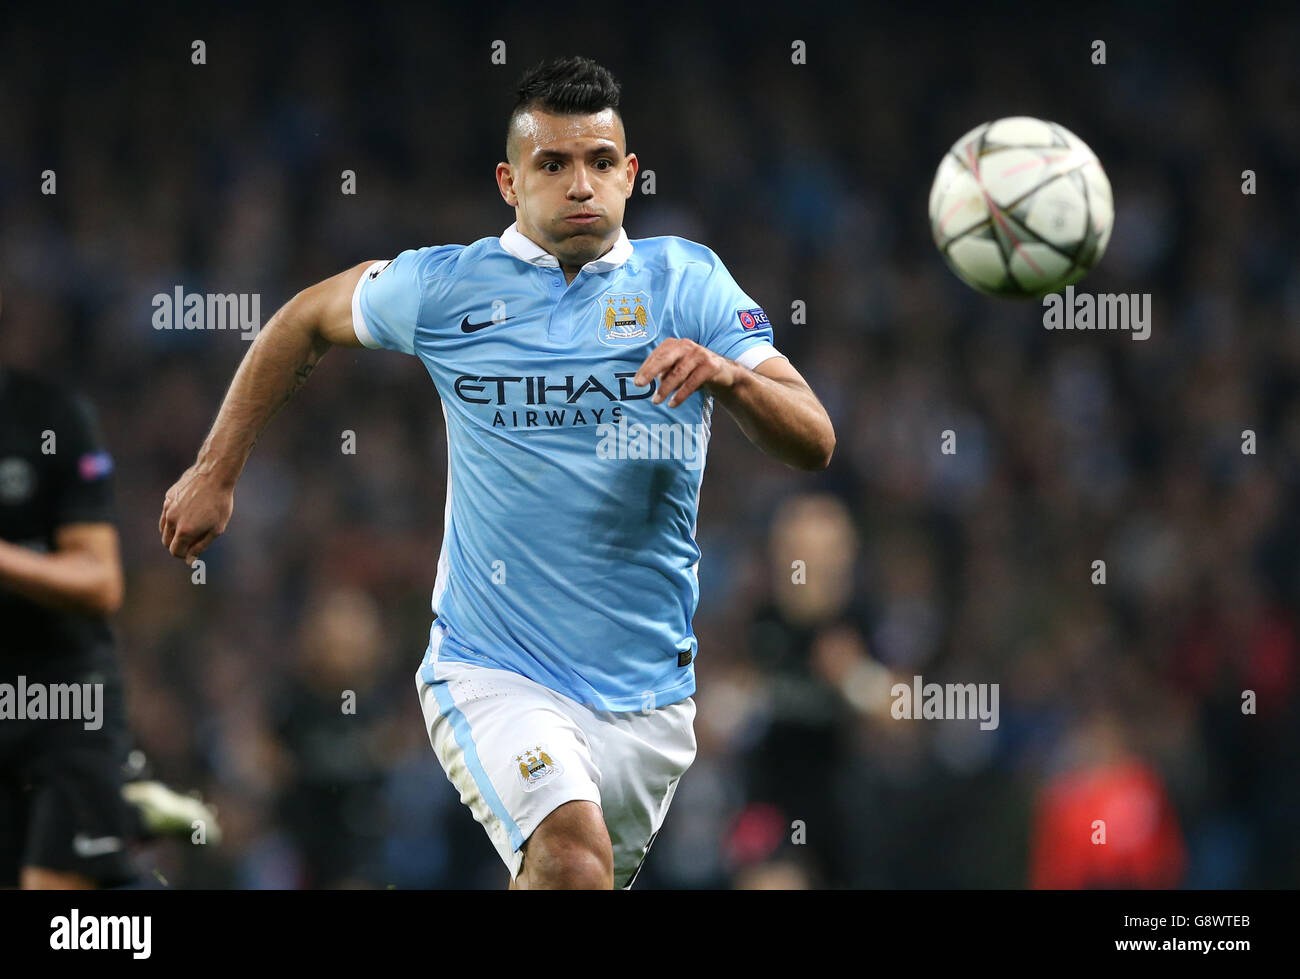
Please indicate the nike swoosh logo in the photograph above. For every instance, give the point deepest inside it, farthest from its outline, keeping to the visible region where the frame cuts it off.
(97, 847)
(469, 327)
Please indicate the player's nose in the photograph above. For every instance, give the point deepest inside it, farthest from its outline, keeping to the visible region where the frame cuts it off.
(580, 189)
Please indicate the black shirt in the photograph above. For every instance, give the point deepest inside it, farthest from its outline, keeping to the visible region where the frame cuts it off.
(54, 470)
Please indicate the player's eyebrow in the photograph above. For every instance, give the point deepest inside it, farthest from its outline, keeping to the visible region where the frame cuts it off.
(604, 149)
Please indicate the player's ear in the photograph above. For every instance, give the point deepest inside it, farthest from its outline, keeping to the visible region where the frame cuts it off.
(506, 184)
(633, 165)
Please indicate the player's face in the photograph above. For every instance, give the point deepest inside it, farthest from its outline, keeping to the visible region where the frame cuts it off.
(569, 182)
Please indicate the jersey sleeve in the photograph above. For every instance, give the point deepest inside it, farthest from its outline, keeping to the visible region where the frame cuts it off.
(730, 322)
(389, 297)
(83, 489)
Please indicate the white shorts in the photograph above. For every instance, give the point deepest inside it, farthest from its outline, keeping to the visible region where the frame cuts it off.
(516, 750)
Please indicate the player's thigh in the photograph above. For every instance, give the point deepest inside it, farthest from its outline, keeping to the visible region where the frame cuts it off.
(642, 756)
(572, 839)
(508, 747)
(41, 879)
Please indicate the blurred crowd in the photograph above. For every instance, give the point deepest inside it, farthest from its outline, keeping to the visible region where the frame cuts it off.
(1120, 702)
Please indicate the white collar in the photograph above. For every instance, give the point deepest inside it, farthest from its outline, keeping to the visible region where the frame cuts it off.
(522, 247)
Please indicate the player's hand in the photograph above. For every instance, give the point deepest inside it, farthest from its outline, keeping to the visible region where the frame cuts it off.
(195, 513)
(683, 366)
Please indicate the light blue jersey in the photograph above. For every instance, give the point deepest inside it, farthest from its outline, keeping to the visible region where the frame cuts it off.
(569, 553)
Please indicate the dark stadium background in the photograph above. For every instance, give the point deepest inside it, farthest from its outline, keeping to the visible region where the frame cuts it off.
(1119, 701)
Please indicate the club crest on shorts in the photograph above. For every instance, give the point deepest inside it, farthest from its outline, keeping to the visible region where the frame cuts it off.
(536, 767)
(624, 318)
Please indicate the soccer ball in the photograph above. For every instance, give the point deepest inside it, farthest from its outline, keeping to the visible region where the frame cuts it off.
(1021, 207)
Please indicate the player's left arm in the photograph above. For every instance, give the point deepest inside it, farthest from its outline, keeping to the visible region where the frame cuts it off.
(772, 403)
(83, 574)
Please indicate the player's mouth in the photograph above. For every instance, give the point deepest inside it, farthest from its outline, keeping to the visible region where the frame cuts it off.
(583, 218)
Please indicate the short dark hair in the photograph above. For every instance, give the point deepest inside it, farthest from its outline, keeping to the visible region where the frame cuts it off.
(565, 86)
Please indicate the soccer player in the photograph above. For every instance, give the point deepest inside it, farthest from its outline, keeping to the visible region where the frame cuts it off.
(63, 823)
(577, 371)
(71, 796)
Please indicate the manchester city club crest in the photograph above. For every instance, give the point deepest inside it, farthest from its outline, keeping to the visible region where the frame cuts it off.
(624, 318)
(536, 767)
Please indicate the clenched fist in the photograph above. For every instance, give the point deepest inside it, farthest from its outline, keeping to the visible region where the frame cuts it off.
(195, 512)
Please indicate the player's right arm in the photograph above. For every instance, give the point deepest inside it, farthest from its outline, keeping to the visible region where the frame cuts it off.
(198, 506)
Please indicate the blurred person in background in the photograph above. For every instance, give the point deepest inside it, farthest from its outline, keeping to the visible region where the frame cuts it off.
(1106, 820)
(333, 724)
(797, 745)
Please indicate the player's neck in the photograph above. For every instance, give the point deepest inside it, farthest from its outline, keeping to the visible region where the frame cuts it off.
(570, 271)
